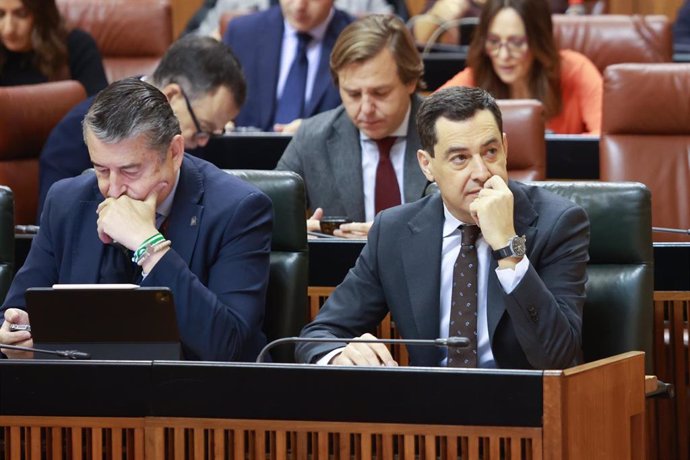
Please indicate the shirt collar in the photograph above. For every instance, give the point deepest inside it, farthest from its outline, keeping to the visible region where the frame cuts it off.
(451, 223)
(317, 33)
(401, 131)
(163, 209)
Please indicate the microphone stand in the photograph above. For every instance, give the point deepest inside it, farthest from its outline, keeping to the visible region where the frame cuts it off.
(450, 342)
(671, 230)
(69, 354)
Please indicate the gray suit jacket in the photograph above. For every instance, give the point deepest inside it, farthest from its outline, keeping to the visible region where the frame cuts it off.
(537, 326)
(326, 152)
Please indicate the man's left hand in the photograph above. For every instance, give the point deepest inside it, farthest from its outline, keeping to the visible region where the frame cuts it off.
(492, 210)
(128, 221)
(354, 230)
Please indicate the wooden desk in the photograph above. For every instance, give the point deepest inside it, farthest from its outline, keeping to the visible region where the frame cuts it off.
(158, 410)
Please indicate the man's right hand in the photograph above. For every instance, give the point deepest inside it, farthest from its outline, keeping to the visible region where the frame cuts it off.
(364, 354)
(21, 338)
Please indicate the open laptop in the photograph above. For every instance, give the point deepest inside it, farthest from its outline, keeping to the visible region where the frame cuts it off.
(107, 321)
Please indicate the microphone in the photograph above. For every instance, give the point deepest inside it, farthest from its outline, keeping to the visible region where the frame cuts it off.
(450, 342)
(69, 354)
(671, 230)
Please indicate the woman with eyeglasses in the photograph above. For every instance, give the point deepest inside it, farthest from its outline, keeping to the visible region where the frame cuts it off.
(514, 56)
(36, 47)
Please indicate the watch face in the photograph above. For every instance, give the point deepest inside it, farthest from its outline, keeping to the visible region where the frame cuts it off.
(517, 244)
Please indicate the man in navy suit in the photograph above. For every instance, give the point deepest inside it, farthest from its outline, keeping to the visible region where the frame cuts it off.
(204, 84)
(528, 268)
(267, 43)
(213, 246)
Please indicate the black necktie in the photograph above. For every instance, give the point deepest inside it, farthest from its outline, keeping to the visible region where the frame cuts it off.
(463, 304)
(292, 101)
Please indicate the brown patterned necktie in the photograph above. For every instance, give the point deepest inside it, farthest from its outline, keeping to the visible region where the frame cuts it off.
(463, 304)
(387, 192)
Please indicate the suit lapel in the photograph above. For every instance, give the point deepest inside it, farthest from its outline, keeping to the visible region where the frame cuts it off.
(185, 216)
(524, 216)
(87, 248)
(323, 76)
(345, 152)
(414, 181)
(268, 47)
(421, 254)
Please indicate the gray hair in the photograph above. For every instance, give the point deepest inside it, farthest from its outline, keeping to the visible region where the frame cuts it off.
(129, 108)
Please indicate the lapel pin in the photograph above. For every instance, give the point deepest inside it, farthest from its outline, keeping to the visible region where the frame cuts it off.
(192, 222)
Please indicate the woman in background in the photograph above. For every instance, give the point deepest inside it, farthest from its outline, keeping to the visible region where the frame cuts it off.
(36, 47)
(514, 56)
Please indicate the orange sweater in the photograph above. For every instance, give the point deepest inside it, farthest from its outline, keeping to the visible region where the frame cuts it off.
(581, 89)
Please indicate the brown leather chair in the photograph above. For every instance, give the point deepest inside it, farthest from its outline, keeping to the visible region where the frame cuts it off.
(132, 35)
(646, 137)
(27, 115)
(523, 123)
(614, 39)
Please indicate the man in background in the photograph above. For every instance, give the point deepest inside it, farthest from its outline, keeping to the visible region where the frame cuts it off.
(360, 158)
(284, 52)
(204, 84)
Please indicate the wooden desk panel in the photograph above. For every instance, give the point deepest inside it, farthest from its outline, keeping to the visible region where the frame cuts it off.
(593, 411)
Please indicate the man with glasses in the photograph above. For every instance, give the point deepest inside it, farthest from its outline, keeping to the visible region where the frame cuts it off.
(155, 216)
(201, 78)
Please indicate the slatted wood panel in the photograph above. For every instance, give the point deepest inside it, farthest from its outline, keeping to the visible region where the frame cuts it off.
(71, 438)
(277, 440)
(671, 432)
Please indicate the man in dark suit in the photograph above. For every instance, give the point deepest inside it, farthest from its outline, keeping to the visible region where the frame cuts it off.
(204, 84)
(377, 69)
(214, 255)
(267, 44)
(528, 267)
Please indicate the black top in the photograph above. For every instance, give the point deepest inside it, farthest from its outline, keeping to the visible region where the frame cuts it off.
(85, 65)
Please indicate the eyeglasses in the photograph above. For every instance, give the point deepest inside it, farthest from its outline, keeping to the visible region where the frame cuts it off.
(200, 135)
(515, 46)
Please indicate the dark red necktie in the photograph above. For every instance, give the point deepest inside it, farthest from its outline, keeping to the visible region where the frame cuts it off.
(387, 190)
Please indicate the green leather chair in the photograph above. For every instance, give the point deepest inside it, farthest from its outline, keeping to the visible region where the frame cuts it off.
(6, 240)
(618, 313)
(286, 301)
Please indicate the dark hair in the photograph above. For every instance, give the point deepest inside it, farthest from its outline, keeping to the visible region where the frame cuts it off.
(457, 103)
(129, 108)
(366, 37)
(544, 77)
(201, 65)
(48, 40)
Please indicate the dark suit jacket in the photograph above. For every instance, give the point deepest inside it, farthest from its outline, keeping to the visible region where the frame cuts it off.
(220, 228)
(64, 154)
(537, 326)
(326, 152)
(256, 41)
